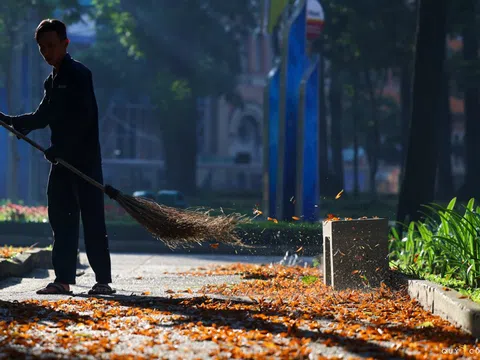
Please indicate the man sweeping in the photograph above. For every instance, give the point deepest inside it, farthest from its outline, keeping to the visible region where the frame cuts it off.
(69, 108)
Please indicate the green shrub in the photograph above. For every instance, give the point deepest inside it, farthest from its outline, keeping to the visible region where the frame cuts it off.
(446, 243)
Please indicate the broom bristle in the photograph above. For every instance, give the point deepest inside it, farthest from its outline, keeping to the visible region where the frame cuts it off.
(179, 227)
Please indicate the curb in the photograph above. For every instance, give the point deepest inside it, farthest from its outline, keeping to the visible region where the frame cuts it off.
(24, 263)
(447, 304)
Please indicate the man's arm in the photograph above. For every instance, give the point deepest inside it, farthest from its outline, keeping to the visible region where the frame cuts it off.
(38, 119)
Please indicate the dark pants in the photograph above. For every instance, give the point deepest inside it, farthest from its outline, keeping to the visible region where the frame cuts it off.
(68, 197)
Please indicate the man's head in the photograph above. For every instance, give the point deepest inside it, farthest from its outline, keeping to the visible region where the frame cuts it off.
(52, 40)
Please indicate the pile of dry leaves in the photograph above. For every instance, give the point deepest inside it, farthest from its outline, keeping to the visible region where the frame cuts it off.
(275, 312)
(9, 252)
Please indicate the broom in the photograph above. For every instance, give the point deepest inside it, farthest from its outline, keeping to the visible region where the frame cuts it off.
(174, 227)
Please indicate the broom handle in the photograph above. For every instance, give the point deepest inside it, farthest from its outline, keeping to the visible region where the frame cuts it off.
(60, 161)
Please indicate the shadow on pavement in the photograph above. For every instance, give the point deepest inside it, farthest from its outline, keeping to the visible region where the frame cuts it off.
(206, 310)
(24, 313)
(39, 274)
(35, 274)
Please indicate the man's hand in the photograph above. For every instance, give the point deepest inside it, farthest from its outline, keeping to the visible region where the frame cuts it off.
(6, 119)
(51, 154)
(24, 132)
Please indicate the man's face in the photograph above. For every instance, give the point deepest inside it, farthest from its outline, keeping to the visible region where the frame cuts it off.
(52, 48)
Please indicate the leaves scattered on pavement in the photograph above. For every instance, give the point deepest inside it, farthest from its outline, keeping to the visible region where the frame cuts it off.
(276, 311)
(9, 252)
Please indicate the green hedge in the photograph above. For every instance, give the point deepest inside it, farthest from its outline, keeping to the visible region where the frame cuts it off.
(256, 233)
(269, 233)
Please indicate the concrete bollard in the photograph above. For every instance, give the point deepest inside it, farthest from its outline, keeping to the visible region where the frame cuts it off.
(355, 253)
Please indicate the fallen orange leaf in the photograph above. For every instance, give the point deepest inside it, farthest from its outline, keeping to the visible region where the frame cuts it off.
(331, 217)
(339, 195)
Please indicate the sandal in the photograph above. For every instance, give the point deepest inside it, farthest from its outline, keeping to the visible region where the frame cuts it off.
(101, 289)
(54, 289)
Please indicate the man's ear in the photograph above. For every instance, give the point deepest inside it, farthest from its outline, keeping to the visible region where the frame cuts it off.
(67, 42)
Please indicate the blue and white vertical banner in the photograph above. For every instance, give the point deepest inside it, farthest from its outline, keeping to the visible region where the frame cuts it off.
(308, 185)
(294, 63)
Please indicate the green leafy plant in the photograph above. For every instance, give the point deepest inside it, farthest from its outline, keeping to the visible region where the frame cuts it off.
(446, 243)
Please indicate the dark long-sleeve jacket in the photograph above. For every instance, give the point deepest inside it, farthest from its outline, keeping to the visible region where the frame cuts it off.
(69, 108)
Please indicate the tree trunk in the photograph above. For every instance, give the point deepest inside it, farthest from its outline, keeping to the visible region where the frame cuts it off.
(323, 138)
(373, 143)
(471, 183)
(180, 142)
(336, 136)
(445, 190)
(421, 161)
(355, 116)
(406, 105)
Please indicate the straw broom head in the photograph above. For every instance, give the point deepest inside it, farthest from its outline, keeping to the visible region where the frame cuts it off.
(178, 227)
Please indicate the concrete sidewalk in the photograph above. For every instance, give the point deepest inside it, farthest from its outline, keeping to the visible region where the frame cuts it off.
(134, 274)
(161, 326)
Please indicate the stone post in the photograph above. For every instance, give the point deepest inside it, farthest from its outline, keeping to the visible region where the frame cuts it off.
(355, 253)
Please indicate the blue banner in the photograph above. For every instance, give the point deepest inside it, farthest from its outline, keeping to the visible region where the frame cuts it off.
(309, 147)
(294, 64)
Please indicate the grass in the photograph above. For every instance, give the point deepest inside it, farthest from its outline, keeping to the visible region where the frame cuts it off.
(458, 285)
(242, 203)
(345, 206)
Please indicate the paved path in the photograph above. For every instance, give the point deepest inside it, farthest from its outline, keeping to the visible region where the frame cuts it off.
(134, 274)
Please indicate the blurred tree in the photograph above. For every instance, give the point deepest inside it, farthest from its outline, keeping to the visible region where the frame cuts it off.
(18, 18)
(336, 114)
(445, 188)
(189, 49)
(467, 16)
(371, 38)
(14, 16)
(114, 69)
(422, 154)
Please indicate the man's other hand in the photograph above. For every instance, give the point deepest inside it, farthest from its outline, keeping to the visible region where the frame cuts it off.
(24, 132)
(6, 119)
(51, 154)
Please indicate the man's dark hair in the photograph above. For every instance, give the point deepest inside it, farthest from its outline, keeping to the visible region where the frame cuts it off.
(48, 25)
